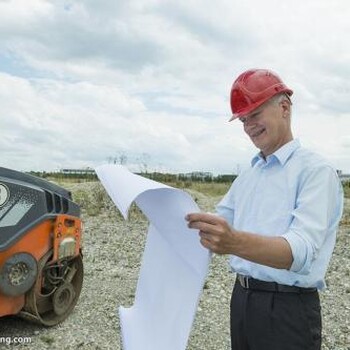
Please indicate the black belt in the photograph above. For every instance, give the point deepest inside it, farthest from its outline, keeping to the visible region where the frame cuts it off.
(253, 284)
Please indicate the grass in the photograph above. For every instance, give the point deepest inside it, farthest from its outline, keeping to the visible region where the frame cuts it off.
(94, 200)
(211, 189)
(346, 187)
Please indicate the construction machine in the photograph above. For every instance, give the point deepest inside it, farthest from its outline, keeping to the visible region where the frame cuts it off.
(41, 266)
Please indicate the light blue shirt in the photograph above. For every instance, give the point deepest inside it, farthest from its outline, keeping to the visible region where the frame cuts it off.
(294, 194)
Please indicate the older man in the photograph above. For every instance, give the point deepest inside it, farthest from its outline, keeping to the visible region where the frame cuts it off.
(278, 222)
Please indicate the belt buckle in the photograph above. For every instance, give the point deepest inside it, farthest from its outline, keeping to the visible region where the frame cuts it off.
(244, 281)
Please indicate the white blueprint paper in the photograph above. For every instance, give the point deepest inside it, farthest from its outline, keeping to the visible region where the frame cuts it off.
(174, 264)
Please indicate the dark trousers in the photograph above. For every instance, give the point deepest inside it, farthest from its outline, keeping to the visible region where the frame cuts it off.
(263, 320)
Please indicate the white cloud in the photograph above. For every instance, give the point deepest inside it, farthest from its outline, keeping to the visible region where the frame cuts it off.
(85, 80)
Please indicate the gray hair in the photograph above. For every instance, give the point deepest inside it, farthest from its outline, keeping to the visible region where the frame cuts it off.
(281, 98)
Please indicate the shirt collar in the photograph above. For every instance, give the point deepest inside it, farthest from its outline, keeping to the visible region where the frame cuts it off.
(282, 154)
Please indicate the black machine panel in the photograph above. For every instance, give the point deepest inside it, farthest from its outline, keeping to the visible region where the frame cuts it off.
(25, 201)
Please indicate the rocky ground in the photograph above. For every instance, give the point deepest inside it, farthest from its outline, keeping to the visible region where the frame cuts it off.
(112, 254)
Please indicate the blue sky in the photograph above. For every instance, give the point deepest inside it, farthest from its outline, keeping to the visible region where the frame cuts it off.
(82, 82)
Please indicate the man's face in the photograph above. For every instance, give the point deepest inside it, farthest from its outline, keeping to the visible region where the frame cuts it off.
(269, 126)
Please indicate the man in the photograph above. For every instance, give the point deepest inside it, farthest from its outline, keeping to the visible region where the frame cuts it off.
(278, 222)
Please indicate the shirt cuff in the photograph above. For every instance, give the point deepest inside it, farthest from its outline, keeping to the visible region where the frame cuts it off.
(302, 250)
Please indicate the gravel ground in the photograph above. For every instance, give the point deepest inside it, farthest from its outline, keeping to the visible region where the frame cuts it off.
(112, 254)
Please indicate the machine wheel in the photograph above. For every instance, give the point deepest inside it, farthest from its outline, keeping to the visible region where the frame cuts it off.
(63, 298)
(56, 290)
(18, 274)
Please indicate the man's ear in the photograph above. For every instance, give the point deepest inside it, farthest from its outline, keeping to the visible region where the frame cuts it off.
(286, 109)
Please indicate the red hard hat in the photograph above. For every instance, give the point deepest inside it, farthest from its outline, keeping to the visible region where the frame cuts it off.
(254, 87)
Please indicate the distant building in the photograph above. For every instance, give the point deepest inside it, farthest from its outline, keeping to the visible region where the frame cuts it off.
(196, 176)
(87, 171)
(344, 177)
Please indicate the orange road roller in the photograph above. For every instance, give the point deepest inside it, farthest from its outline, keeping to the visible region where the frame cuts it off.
(41, 266)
